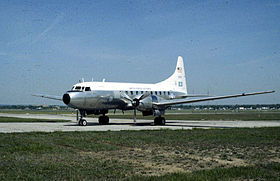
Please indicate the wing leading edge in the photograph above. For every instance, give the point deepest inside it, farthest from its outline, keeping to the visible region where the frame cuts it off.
(185, 101)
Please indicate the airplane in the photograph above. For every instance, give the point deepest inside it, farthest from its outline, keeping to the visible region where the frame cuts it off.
(150, 99)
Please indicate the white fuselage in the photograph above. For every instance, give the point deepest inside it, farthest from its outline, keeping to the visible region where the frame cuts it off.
(107, 95)
(117, 95)
(130, 88)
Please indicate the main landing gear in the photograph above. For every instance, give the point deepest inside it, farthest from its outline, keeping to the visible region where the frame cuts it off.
(103, 120)
(159, 121)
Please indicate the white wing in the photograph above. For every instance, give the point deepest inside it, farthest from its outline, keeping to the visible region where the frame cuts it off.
(185, 101)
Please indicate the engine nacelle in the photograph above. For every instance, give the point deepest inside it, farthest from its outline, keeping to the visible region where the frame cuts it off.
(145, 104)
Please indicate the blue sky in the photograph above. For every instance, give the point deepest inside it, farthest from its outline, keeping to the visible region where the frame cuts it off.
(228, 46)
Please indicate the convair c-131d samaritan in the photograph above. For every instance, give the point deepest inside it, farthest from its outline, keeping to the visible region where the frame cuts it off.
(151, 99)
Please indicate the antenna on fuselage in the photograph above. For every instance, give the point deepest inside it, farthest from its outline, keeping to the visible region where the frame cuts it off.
(103, 80)
(82, 80)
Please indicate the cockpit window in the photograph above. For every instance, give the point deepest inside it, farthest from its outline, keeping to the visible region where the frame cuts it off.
(87, 89)
(77, 87)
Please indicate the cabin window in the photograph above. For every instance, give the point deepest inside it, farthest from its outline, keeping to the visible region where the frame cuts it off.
(142, 92)
(83, 88)
(131, 92)
(126, 92)
(152, 92)
(163, 92)
(87, 89)
(156, 92)
(136, 92)
(160, 93)
(168, 93)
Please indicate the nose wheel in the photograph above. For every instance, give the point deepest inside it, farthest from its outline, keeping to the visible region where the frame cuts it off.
(81, 121)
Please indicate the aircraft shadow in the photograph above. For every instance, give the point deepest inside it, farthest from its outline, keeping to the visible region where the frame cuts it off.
(168, 124)
(118, 124)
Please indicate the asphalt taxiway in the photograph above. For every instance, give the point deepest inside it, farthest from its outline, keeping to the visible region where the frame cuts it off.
(118, 124)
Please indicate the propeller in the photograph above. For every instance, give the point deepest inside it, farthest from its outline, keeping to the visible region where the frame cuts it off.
(135, 101)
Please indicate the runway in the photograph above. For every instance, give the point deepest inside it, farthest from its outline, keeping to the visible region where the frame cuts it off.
(119, 124)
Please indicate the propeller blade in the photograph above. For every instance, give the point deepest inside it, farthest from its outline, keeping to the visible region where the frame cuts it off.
(125, 96)
(143, 96)
(134, 116)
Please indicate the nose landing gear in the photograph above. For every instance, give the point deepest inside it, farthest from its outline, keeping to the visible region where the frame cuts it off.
(81, 121)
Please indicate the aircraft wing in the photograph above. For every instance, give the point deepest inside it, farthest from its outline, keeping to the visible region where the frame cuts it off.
(185, 101)
(195, 95)
(59, 98)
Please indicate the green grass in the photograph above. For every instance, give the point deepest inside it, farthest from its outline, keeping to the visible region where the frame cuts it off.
(13, 119)
(212, 154)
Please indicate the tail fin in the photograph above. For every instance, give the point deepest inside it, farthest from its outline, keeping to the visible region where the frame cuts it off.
(177, 81)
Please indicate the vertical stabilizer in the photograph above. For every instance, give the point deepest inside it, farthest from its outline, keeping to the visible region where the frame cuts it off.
(177, 81)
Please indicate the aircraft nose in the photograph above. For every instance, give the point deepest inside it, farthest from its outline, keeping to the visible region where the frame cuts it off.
(66, 99)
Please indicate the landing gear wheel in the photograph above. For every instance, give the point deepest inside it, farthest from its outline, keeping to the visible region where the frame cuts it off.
(100, 120)
(156, 121)
(103, 120)
(162, 121)
(159, 121)
(107, 120)
(83, 122)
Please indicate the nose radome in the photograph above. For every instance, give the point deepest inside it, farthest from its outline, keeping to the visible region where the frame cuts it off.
(66, 99)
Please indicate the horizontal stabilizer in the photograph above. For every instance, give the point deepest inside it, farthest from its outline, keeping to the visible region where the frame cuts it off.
(59, 98)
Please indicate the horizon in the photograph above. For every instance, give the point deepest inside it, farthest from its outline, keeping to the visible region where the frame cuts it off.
(193, 104)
